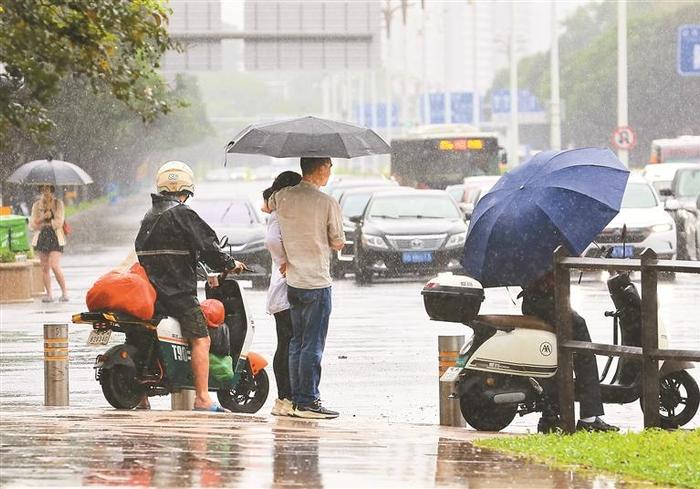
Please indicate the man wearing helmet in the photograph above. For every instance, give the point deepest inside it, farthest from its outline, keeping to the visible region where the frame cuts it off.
(171, 240)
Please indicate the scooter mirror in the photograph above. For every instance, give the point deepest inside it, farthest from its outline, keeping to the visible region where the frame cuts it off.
(223, 242)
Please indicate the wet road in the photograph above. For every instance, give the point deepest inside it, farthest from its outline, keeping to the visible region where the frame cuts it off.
(59, 447)
(379, 371)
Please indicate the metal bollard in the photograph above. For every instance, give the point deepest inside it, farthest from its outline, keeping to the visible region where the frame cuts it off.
(56, 365)
(182, 400)
(448, 350)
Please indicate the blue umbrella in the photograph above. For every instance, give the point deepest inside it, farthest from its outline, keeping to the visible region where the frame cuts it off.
(556, 198)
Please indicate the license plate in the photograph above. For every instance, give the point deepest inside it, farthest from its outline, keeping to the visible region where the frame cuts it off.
(451, 374)
(626, 251)
(99, 337)
(417, 257)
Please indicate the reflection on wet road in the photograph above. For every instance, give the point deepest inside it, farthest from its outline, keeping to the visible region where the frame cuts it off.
(74, 447)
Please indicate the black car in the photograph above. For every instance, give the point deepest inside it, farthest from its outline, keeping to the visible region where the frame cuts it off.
(408, 232)
(238, 219)
(352, 203)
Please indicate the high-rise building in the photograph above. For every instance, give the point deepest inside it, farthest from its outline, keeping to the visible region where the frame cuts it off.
(195, 16)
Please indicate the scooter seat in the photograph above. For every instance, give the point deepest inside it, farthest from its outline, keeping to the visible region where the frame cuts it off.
(510, 321)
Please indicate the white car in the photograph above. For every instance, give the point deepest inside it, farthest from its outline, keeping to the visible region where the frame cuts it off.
(646, 222)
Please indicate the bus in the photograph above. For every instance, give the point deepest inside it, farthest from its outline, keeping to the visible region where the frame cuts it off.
(684, 149)
(442, 155)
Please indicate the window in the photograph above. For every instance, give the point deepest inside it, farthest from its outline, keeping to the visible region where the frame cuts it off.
(414, 206)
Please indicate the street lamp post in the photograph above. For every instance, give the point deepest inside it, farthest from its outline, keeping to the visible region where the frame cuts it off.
(622, 73)
(513, 156)
(554, 105)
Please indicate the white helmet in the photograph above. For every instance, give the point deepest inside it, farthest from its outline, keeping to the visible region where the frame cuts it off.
(175, 176)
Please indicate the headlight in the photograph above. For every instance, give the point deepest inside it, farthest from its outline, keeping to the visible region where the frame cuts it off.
(456, 240)
(660, 228)
(373, 241)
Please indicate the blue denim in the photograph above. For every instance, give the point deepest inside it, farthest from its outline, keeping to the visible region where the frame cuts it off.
(310, 310)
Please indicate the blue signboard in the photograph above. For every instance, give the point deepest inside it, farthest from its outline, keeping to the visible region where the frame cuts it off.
(689, 50)
(527, 101)
(437, 108)
(381, 115)
(462, 108)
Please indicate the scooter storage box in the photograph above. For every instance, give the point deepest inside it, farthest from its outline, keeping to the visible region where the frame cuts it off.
(452, 298)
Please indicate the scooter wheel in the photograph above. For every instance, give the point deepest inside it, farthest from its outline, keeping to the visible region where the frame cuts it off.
(679, 397)
(483, 415)
(120, 387)
(248, 396)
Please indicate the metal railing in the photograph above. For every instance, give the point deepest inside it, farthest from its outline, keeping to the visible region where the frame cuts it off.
(649, 352)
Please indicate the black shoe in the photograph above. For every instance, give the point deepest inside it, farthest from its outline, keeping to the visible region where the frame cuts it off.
(548, 424)
(314, 411)
(595, 425)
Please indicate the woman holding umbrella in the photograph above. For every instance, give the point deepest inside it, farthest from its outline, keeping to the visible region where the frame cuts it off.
(47, 213)
(49, 239)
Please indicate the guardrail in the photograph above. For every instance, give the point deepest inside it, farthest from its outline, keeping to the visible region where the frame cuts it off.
(649, 352)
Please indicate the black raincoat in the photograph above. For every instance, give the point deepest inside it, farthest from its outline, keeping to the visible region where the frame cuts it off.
(171, 240)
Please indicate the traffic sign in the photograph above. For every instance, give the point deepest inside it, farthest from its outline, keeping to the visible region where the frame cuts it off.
(624, 138)
(689, 50)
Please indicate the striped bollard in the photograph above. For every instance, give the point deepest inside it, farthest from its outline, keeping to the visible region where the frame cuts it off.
(448, 351)
(56, 365)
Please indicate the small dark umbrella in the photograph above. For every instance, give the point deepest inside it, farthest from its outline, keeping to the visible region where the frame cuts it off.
(50, 172)
(557, 198)
(308, 136)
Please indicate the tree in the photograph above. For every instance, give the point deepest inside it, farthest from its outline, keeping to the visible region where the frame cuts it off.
(113, 45)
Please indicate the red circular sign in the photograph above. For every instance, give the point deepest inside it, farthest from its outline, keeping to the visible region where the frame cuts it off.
(624, 138)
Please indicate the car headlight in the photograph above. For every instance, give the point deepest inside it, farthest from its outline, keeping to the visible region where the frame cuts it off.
(456, 240)
(660, 228)
(373, 241)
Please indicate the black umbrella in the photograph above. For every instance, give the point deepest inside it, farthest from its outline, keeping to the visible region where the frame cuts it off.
(50, 172)
(308, 136)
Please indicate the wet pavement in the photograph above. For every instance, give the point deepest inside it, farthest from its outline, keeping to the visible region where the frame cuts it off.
(379, 370)
(78, 447)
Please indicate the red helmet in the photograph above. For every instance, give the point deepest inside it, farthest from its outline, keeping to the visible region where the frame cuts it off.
(214, 312)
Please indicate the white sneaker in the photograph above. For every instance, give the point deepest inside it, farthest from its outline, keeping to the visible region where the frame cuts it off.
(282, 407)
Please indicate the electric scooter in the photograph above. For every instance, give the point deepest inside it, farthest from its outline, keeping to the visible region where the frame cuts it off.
(154, 359)
(508, 366)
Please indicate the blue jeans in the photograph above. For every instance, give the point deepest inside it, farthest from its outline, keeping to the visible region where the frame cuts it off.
(310, 310)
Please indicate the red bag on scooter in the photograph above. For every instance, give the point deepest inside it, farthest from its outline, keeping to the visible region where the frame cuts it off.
(130, 292)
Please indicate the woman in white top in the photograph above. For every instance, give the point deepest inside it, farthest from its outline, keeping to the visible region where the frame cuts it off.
(277, 303)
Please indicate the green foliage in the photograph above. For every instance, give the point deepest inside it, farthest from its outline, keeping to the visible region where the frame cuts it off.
(7, 256)
(104, 136)
(664, 457)
(110, 45)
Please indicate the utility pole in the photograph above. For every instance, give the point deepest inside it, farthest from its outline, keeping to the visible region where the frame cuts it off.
(476, 102)
(622, 74)
(514, 146)
(426, 85)
(446, 64)
(554, 105)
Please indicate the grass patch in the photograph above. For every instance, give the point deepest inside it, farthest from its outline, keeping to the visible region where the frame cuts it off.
(72, 210)
(663, 457)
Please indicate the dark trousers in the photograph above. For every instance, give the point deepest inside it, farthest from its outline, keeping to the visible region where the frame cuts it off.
(280, 363)
(310, 310)
(585, 366)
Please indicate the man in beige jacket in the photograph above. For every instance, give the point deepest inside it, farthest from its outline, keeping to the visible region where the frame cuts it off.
(311, 225)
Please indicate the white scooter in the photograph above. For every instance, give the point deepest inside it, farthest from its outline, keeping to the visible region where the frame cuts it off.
(509, 364)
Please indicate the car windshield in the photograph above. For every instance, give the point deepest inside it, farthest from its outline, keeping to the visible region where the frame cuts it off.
(689, 183)
(354, 204)
(456, 191)
(660, 185)
(638, 196)
(474, 192)
(414, 206)
(219, 213)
